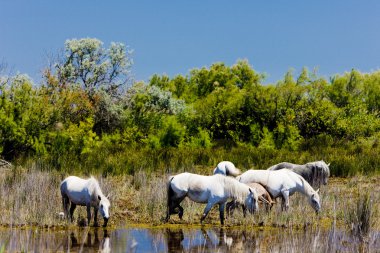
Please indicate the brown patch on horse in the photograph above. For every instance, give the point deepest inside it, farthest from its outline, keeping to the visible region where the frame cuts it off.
(262, 192)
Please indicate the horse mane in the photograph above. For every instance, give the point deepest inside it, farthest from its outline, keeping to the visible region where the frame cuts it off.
(309, 190)
(94, 186)
(320, 171)
(234, 188)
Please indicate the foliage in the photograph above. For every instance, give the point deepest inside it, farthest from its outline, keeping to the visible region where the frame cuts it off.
(93, 67)
(82, 109)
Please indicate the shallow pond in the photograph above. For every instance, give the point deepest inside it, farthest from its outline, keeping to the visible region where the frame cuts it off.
(185, 239)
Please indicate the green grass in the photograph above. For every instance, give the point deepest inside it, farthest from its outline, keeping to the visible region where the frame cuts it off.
(347, 159)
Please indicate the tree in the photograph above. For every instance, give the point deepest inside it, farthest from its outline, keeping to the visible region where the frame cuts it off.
(23, 117)
(93, 67)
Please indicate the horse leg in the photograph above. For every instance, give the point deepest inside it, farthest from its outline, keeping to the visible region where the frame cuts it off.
(72, 208)
(268, 207)
(96, 217)
(65, 203)
(285, 200)
(180, 212)
(207, 210)
(221, 212)
(230, 206)
(244, 210)
(180, 208)
(168, 212)
(171, 209)
(88, 206)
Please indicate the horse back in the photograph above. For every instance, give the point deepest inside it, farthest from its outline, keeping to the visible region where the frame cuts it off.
(196, 187)
(305, 171)
(283, 165)
(76, 190)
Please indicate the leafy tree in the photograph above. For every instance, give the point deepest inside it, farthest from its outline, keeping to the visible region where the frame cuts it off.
(147, 105)
(245, 75)
(87, 63)
(172, 133)
(108, 113)
(22, 115)
(371, 85)
(346, 89)
(219, 113)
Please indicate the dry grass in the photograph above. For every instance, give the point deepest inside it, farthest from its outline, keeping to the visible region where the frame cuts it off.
(31, 197)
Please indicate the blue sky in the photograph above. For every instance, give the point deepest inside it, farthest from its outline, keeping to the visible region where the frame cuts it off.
(173, 37)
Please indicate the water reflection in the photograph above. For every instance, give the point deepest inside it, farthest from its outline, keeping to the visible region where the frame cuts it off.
(87, 239)
(184, 240)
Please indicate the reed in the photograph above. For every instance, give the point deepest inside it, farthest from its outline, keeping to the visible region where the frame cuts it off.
(30, 197)
(360, 217)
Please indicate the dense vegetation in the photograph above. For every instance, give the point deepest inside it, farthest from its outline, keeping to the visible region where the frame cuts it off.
(88, 114)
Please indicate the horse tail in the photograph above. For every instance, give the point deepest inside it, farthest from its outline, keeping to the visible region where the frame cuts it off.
(65, 198)
(232, 171)
(262, 199)
(170, 189)
(170, 194)
(62, 187)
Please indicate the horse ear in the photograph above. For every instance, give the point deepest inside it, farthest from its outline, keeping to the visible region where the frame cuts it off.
(317, 190)
(250, 190)
(100, 198)
(328, 165)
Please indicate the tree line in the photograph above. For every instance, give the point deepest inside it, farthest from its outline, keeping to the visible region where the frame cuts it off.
(87, 102)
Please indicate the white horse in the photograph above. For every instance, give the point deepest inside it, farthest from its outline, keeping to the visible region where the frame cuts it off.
(282, 183)
(226, 168)
(84, 192)
(216, 189)
(315, 173)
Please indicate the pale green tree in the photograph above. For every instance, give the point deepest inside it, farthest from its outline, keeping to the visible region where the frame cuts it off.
(87, 63)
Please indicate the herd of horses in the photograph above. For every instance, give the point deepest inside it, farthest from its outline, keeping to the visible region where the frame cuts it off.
(246, 189)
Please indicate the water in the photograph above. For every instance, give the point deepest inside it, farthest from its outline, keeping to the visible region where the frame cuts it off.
(186, 239)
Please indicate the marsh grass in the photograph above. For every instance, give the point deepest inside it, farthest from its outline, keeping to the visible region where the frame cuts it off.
(346, 158)
(360, 216)
(31, 197)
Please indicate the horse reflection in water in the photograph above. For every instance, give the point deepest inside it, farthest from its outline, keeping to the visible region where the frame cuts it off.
(208, 240)
(88, 239)
(174, 238)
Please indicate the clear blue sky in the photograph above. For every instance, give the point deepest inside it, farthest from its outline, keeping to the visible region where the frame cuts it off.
(173, 37)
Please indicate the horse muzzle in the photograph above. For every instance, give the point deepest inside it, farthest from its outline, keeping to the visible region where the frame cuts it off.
(105, 222)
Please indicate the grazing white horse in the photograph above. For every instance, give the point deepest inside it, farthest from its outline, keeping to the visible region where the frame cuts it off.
(216, 189)
(282, 183)
(315, 173)
(226, 168)
(84, 192)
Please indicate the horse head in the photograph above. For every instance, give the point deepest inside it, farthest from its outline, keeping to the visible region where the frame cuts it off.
(321, 172)
(325, 172)
(251, 201)
(104, 207)
(315, 201)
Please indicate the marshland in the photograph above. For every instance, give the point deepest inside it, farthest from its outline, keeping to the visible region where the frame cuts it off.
(132, 136)
(31, 204)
